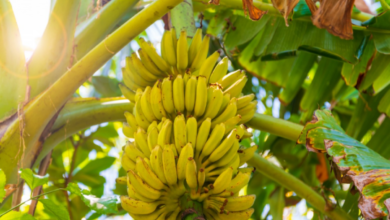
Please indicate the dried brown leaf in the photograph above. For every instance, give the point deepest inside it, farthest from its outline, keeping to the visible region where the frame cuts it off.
(254, 13)
(214, 2)
(285, 7)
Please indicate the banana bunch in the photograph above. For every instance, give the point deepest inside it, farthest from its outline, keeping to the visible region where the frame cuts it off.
(183, 80)
(172, 161)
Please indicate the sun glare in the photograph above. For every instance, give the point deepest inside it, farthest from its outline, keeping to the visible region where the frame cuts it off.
(32, 17)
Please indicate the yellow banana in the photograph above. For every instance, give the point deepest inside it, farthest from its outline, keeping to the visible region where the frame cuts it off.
(127, 130)
(243, 101)
(141, 187)
(156, 101)
(122, 180)
(201, 178)
(214, 104)
(245, 110)
(248, 116)
(167, 96)
(129, 81)
(229, 112)
(132, 151)
(174, 38)
(192, 130)
(138, 207)
(174, 215)
(239, 181)
(191, 174)
(208, 65)
(139, 116)
(152, 216)
(235, 164)
(190, 94)
(140, 138)
(213, 141)
(169, 166)
(167, 48)
(202, 136)
(149, 64)
(236, 89)
(224, 147)
(229, 156)
(127, 164)
(178, 94)
(195, 45)
(152, 137)
(160, 62)
(180, 133)
(156, 162)
(128, 93)
(141, 69)
(182, 51)
(222, 181)
(187, 152)
(131, 120)
(240, 203)
(201, 54)
(201, 97)
(231, 78)
(138, 79)
(231, 123)
(246, 154)
(240, 215)
(164, 137)
(173, 148)
(225, 103)
(148, 175)
(241, 130)
(220, 70)
(146, 105)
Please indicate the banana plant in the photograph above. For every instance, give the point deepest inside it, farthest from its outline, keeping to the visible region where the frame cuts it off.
(188, 118)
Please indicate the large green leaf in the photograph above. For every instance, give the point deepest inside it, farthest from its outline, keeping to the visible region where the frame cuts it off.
(379, 142)
(54, 210)
(380, 27)
(32, 179)
(13, 81)
(354, 162)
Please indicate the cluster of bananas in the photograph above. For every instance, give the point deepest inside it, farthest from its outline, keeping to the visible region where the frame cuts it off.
(186, 124)
(173, 160)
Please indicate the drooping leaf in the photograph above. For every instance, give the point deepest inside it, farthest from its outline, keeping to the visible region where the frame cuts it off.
(353, 162)
(14, 215)
(2, 185)
(379, 142)
(56, 211)
(379, 65)
(102, 206)
(381, 39)
(285, 7)
(251, 10)
(32, 179)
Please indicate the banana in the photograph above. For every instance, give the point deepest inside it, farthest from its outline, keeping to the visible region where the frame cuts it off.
(139, 116)
(141, 69)
(240, 203)
(152, 216)
(236, 89)
(186, 153)
(156, 162)
(164, 137)
(247, 117)
(138, 79)
(174, 39)
(127, 130)
(131, 120)
(229, 156)
(231, 78)
(178, 94)
(190, 94)
(169, 166)
(140, 138)
(220, 70)
(167, 48)
(247, 108)
(208, 65)
(122, 180)
(127, 164)
(201, 97)
(173, 148)
(180, 133)
(241, 215)
(214, 104)
(195, 45)
(128, 93)
(167, 96)
(192, 130)
(246, 154)
(151, 52)
(239, 181)
(148, 175)
(201, 178)
(182, 51)
(201, 54)
(138, 207)
(222, 181)
(224, 147)
(156, 101)
(229, 112)
(231, 123)
(152, 137)
(175, 214)
(132, 151)
(191, 174)
(141, 187)
(225, 103)
(146, 105)
(129, 81)
(244, 100)
(149, 64)
(202, 137)
(235, 164)
(213, 141)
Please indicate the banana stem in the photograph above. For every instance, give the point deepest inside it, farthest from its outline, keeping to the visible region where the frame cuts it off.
(276, 126)
(192, 208)
(292, 183)
(182, 18)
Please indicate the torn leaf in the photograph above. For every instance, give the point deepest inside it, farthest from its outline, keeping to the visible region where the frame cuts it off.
(214, 2)
(334, 16)
(352, 161)
(249, 8)
(285, 7)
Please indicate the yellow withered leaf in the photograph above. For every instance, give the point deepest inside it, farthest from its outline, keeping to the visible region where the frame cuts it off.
(249, 8)
(285, 7)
